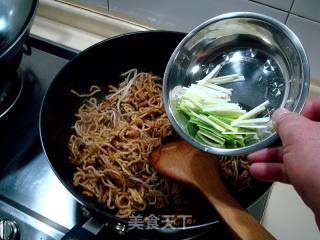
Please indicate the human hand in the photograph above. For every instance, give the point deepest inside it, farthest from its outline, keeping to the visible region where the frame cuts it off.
(297, 161)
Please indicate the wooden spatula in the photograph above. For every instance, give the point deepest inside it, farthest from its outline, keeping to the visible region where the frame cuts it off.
(181, 161)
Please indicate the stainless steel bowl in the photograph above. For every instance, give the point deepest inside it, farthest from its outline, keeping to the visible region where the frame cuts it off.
(265, 51)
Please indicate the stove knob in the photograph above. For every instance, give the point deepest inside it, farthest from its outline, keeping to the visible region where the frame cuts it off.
(9, 230)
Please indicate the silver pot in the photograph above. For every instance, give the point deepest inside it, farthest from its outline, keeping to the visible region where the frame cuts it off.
(15, 22)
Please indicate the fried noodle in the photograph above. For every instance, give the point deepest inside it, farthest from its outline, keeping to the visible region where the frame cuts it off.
(236, 170)
(113, 141)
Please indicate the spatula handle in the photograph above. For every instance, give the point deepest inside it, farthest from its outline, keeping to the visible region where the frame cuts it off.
(240, 222)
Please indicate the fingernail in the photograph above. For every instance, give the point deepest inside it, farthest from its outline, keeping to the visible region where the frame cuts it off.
(279, 114)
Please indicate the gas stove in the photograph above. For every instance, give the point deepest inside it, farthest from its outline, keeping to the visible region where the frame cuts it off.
(34, 205)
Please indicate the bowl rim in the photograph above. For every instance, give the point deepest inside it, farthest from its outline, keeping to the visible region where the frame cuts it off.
(274, 136)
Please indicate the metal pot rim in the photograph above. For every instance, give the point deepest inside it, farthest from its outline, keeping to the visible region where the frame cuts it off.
(24, 30)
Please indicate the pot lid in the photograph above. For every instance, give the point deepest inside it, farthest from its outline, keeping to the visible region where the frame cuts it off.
(15, 16)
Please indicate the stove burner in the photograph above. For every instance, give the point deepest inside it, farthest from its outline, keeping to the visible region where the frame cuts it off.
(9, 230)
(10, 90)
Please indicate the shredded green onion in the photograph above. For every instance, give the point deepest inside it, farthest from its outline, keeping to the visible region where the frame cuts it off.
(213, 119)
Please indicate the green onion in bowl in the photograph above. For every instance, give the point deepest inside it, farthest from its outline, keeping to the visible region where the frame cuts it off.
(216, 121)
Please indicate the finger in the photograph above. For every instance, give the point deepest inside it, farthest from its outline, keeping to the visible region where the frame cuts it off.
(267, 155)
(269, 172)
(312, 109)
(291, 127)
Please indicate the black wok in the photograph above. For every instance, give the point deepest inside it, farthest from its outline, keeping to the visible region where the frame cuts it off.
(102, 65)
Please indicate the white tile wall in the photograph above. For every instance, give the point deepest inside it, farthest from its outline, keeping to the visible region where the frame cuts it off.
(307, 8)
(183, 15)
(281, 4)
(309, 34)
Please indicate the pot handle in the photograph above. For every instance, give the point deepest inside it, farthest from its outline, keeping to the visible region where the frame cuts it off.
(79, 233)
(88, 231)
(26, 48)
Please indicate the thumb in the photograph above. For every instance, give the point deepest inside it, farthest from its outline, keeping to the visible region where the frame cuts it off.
(290, 126)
